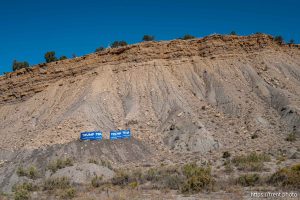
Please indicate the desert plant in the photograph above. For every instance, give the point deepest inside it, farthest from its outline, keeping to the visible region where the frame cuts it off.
(21, 171)
(106, 163)
(197, 179)
(288, 177)
(19, 65)
(68, 193)
(91, 160)
(22, 191)
(251, 162)
(63, 58)
(165, 177)
(133, 184)
(116, 44)
(21, 195)
(248, 180)
(226, 154)
(228, 166)
(59, 164)
(148, 38)
(57, 183)
(121, 178)
(232, 33)
(30, 172)
(25, 186)
(97, 181)
(151, 175)
(50, 56)
(279, 39)
(187, 37)
(3, 194)
(100, 49)
(292, 41)
(291, 137)
(172, 181)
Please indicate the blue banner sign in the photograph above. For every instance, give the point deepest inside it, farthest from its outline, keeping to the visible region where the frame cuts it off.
(121, 134)
(94, 135)
(126, 133)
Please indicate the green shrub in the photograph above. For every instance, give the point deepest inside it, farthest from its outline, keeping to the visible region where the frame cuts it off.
(152, 175)
(68, 193)
(100, 49)
(279, 39)
(50, 56)
(148, 38)
(198, 179)
(248, 180)
(134, 184)
(3, 194)
(121, 178)
(165, 177)
(291, 137)
(232, 33)
(188, 37)
(63, 58)
(97, 181)
(288, 177)
(116, 44)
(22, 191)
(91, 160)
(228, 166)
(22, 195)
(21, 171)
(59, 164)
(172, 181)
(19, 65)
(106, 163)
(292, 41)
(226, 154)
(31, 172)
(189, 178)
(251, 162)
(57, 183)
(25, 186)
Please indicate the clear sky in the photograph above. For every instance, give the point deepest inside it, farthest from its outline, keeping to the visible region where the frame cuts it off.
(30, 28)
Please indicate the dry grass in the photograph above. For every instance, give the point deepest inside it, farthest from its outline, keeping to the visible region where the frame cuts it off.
(57, 183)
(288, 177)
(248, 180)
(22, 191)
(251, 162)
(30, 172)
(59, 164)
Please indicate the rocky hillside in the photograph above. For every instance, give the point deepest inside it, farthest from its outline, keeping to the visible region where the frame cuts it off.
(194, 95)
(184, 100)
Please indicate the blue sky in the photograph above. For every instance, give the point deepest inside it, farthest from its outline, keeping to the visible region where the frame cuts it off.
(30, 28)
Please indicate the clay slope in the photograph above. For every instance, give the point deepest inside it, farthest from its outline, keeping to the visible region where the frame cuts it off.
(193, 96)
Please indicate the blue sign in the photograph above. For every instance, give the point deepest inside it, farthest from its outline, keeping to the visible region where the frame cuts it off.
(126, 133)
(94, 135)
(121, 134)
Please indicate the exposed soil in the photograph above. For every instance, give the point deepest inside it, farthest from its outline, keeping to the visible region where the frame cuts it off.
(183, 101)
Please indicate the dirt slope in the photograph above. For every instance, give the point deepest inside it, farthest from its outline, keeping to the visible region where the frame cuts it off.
(195, 95)
(117, 153)
(183, 101)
